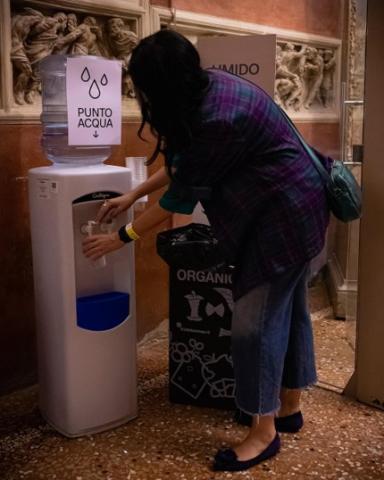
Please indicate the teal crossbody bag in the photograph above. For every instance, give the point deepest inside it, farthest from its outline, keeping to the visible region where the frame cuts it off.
(343, 192)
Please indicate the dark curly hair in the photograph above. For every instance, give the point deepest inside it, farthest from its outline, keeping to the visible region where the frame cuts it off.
(170, 86)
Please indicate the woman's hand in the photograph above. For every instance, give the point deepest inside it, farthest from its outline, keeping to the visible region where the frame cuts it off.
(111, 208)
(96, 246)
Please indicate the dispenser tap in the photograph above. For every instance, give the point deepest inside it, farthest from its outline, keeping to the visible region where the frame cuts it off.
(90, 230)
(108, 227)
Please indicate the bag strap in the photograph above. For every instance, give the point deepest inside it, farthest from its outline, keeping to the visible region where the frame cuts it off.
(317, 163)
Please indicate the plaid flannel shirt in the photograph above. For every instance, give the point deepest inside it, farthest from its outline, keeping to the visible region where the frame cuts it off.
(268, 205)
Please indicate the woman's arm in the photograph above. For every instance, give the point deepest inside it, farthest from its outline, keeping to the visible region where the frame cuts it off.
(157, 180)
(113, 207)
(96, 246)
(153, 216)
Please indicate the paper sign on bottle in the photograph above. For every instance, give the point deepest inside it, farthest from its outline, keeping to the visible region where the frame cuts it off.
(93, 101)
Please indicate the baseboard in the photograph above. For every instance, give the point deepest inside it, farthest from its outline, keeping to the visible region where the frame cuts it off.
(341, 290)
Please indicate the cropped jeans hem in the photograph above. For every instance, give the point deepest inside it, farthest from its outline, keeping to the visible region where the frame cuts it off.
(307, 385)
(272, 342)
(259, 414)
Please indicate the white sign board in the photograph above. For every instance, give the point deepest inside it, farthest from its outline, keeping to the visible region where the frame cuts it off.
(252, 57)
(93, 101)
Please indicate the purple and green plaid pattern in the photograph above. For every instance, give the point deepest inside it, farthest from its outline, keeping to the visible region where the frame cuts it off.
(268, 206)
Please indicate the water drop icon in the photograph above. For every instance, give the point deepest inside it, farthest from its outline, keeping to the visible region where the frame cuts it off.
(94, 90)
(104, 80)
(85, 76)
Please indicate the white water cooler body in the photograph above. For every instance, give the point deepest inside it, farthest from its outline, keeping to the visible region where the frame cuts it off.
(85, 311)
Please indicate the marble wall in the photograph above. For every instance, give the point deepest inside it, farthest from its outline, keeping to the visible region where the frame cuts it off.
(312, 16)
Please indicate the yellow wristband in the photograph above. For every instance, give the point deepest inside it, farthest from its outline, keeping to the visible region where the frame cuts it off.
(131, 233)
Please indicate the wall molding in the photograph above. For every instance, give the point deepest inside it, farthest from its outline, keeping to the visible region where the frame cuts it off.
(5, 52)
(110, 7)
(342, 291)
(202, 23)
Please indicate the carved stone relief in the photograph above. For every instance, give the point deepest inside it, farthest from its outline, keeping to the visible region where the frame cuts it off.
(36, 34)
(307, 68)
(305, 77)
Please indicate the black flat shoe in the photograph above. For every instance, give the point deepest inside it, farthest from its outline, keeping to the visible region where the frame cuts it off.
(226, 460)
(290, 424)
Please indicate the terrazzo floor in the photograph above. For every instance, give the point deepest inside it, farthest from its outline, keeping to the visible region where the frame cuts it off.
(335, 357)
(342, 439)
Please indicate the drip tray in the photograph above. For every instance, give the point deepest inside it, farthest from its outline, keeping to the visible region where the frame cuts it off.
(102, 311)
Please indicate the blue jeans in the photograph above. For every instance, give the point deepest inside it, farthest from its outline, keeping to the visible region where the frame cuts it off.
(272, 342)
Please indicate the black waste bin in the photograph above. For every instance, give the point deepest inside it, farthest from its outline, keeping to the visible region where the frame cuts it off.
(200, 313)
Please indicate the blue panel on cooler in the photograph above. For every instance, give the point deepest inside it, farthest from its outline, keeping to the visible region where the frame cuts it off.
(103, 311)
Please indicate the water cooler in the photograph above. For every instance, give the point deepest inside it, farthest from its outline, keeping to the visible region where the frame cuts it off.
(85, 311)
